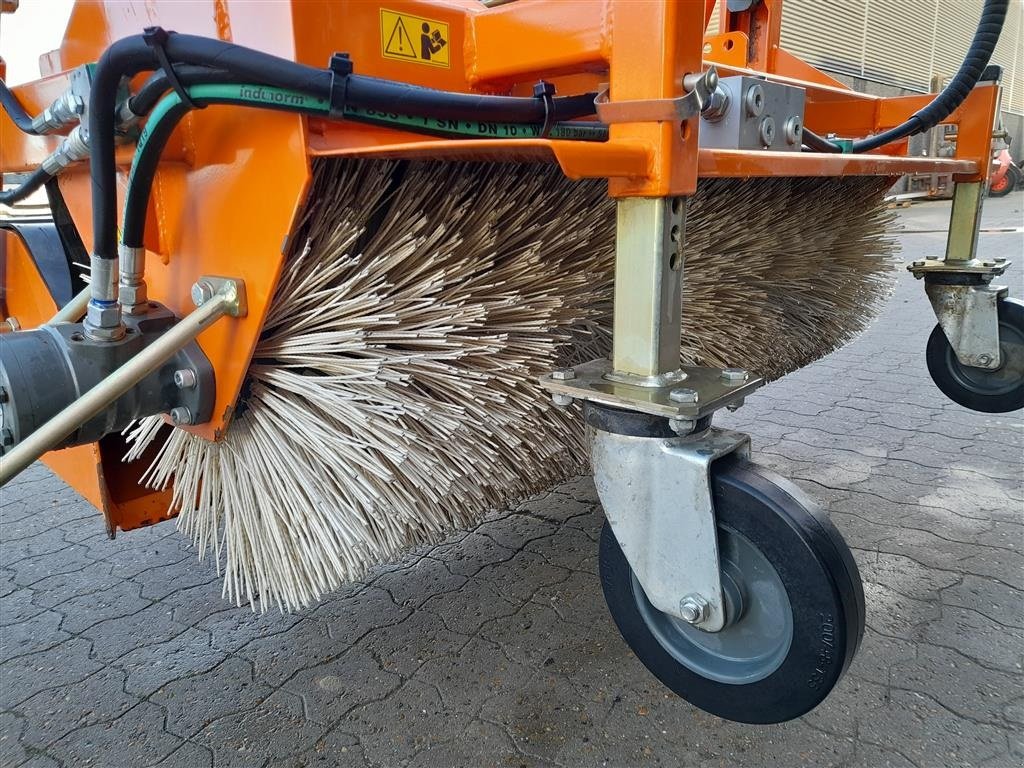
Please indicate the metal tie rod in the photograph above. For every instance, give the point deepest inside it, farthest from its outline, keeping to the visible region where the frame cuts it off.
(224, 301)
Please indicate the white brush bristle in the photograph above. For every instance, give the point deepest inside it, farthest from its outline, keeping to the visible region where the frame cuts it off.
(393, 394)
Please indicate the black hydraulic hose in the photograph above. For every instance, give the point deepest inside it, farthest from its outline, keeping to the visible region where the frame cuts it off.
(132, 55)
(389, 96)
(35, 181)
(159, 83)
(13, 108)
(144, 168)
(993, 15)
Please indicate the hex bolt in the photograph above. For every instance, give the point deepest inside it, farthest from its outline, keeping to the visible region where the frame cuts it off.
(1000, 259)
(693, 609)
(682, 395)
(562, 401)
(202, 292)
(181, 415)
(735, 405)
(566, 374)
(734, 374)
(185, 378)
(681, 426)
(918, 263)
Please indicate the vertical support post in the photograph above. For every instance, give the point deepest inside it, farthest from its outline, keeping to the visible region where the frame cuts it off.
(648, 286)
(965, 220)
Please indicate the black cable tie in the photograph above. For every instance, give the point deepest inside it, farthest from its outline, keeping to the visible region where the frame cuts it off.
(341, 67)
(156, 38)
(546, 92)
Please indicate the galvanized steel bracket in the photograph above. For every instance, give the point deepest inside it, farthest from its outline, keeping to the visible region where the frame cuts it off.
(966, 305)
(969, 316)
(657, 498)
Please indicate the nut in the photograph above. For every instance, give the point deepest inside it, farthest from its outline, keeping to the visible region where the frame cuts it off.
(103, 315)
(734, 374)
(133, 298)
(681, 395)
(681, 426)
(566, 374)
(202, 292)
(562, 401)
(693, 609)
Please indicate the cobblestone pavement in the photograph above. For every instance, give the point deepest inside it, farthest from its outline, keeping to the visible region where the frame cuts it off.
(495, 648)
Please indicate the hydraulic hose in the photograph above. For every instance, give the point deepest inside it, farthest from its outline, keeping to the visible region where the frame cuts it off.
(35, 181)
(159, 83)
(170, 110)
(131, 55)
(13, 108)
(993, 15)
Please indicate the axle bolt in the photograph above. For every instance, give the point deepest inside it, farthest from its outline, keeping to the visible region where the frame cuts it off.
(181, 415)
(185, 378)
(682, 395)
(693, 609)
(566, 374)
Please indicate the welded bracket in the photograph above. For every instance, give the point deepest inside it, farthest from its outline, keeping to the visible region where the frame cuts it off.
(969, 316)
(657, 498)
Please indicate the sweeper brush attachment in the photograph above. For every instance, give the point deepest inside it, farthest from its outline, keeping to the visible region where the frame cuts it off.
(346, 310)
(394, 395)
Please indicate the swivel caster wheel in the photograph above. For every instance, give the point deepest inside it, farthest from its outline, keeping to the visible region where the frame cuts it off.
(990, 391)
(794, 605)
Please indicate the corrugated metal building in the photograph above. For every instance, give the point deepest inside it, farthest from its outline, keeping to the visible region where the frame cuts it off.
(894, 47)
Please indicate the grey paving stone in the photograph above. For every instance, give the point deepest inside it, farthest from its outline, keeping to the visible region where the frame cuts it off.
(494, 648)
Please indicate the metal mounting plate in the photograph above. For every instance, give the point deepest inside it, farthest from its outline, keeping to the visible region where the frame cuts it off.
(983, 267)
(590, 381)
(656, 495)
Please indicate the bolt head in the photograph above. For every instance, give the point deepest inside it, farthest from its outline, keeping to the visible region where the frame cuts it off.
(562, 401)
(181, 416)
(202, 292)
(681, 426)
(983, 359)
(185, 378)
(693, 609)
(566, 374)
(918, 263)
(683, 395)
(734, 374)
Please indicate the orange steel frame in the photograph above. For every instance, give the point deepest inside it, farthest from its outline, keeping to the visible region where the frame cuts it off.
(233, 180)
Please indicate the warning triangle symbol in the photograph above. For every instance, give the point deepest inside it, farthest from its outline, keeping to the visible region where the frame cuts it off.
(400, 44)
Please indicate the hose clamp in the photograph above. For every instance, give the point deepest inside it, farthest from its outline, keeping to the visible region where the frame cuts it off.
(341, 67)
(156, 38)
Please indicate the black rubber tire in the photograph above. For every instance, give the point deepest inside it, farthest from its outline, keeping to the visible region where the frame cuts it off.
(822, 584)
(998, 391)
(1011, 180)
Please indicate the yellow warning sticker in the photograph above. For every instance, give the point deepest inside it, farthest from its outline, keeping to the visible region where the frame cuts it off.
(414, 39)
